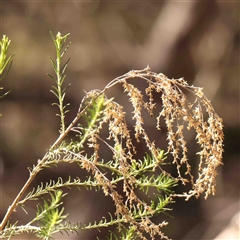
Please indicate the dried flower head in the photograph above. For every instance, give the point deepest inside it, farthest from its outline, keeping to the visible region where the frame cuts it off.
(180, 115)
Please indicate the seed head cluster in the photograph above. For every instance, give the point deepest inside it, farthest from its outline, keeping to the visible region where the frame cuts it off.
(183, 108)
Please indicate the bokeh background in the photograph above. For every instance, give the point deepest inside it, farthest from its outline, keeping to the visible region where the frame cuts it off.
(197, 40)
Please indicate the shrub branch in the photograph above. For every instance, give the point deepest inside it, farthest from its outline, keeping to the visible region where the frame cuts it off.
(133, 214)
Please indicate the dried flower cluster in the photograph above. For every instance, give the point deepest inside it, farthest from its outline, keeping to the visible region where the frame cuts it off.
(179, 115)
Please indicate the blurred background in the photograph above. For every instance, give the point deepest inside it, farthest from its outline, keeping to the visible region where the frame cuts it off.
(197, 40)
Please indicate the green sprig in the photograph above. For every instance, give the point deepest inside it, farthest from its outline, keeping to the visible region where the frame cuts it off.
(4, 60)
(50, 215)
(58, 90)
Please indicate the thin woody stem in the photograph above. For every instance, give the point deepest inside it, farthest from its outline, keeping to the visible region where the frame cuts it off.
(36, 170)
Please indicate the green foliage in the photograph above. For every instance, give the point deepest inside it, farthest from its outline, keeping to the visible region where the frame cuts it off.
(92, 116)
(58, 90)
(5, 60)
(49, 215)
(49, 220)
(139, 187)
